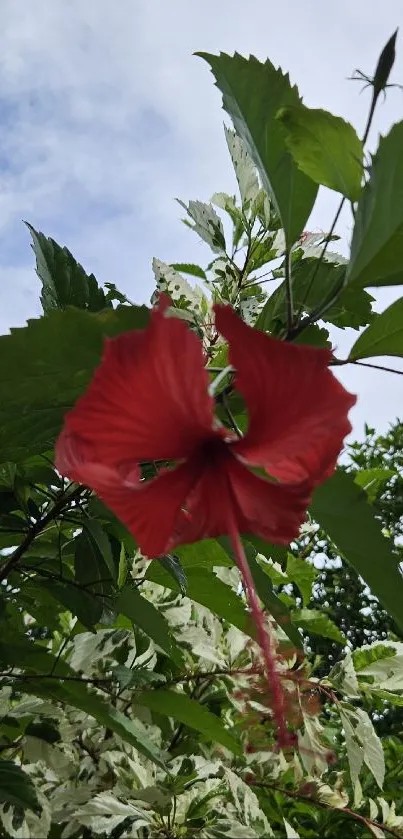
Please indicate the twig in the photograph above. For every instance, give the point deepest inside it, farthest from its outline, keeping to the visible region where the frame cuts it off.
(339, 362)
(345, 810)
(34, 531)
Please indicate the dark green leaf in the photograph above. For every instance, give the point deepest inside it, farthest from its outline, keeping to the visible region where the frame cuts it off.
(313, 283)
(45, 366)
(189, 712)
(303, 574)
(139, 678)
(314, 336)
(384, 336)
(44, 730)
(377, 243)
(78, 696)
(325, 147)
(341, 508)
(189, 268)
(16, 787)
(172, 565)
(87, 607)
(252, 95)
(314, 621)
(64, 281)
(149, 619)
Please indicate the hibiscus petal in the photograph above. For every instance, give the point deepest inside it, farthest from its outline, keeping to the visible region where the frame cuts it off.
(148, 399)
(76, 459)
(259, 506)
(297, 408)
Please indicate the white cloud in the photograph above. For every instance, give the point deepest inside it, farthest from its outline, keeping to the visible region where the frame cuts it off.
(106, 117)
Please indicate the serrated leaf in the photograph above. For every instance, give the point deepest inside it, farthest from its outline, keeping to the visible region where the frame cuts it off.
(303, 574)
(366, 656)
(373, 751)
(179, 290)
(45, 366)
(144, 615)
(64, 281)
(325, 147)
(384, 336)
(341, 508)
(252, 95)
(377, 245)
(245, 170)
(17, 788)
(314, 336)
(311, 620)
(189, 712)
(206, 223)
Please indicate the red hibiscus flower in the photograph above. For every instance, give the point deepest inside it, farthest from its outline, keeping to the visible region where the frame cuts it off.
(149, 400)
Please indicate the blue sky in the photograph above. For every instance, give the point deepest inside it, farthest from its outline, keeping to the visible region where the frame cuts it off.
(106, 117)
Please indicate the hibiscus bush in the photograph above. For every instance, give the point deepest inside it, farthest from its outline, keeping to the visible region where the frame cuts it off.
(169, 495)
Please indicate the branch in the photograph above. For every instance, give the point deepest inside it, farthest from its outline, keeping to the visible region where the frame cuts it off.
(345, 810)
(339, 361)
(35, 530)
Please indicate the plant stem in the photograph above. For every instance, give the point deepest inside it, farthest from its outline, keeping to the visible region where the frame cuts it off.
(288, 291)
(262, 635)
(340, 362)
(343, 811)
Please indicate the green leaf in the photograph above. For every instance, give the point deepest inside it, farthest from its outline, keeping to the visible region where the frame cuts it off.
(314, 336)
(313, 283)
(325, 147)
(91, 573)
(16, 787)
(138, 678)
(189, 712)
(252, 95)
(172, 565)
(365, 656)
(150, 620)
(303, 574)
(387, 695)
(45, 366)
(208, 590)
(372, 480)
(86, 605)
(384, 336)
(341, 508)
(78, 696)
(102, 544)
(64, 281)
(264, 588)
(318, 623)
(189, 268)
(377, 245)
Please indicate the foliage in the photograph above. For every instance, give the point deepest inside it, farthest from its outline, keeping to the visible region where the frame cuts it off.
(130, 694)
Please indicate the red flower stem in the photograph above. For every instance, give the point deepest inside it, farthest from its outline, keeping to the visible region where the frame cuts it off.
(263, 638)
